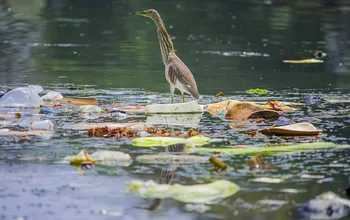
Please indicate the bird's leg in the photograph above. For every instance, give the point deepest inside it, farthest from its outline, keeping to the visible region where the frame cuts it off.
(172, 90)
(183, 96)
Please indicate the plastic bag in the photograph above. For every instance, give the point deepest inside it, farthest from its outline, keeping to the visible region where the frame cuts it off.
(22, 97)
(52, 95)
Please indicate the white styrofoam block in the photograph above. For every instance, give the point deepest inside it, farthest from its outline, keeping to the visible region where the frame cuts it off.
(177, 108)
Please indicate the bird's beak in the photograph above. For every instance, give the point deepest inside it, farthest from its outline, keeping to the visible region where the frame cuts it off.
(141, 13)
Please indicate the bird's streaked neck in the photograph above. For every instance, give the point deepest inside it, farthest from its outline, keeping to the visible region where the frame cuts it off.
(165, 42)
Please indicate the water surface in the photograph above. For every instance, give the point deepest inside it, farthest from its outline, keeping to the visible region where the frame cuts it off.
(117, 57)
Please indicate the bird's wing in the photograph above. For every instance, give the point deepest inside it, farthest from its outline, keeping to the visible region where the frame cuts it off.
(179, 71)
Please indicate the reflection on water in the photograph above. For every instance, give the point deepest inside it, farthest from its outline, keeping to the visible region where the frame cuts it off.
(168, 172)
(83, 42)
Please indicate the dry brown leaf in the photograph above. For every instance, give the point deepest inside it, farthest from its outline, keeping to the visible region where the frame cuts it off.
(241, 111)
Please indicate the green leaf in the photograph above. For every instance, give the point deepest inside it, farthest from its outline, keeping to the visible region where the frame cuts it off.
(165, 141)
(200, 193)
(257, 91)
(272, 149)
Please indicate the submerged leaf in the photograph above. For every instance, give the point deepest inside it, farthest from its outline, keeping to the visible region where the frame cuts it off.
(200, 193)
(218, 164)
(257, 162)
(165, 141)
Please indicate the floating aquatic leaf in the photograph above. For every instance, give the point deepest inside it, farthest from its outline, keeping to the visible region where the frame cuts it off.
(241, 111)
(200, 193)
(276, 149)
(257, 91)
(168, 158)
(303, 61)
(298, 129)
(165, 141)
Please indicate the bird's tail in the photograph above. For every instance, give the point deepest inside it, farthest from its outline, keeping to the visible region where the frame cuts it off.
(193, 92)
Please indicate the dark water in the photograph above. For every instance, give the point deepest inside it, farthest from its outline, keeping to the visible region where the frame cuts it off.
(117, 56)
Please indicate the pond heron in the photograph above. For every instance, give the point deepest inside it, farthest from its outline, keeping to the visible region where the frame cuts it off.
(176, 72)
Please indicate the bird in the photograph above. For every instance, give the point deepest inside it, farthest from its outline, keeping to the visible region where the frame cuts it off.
(177, 73)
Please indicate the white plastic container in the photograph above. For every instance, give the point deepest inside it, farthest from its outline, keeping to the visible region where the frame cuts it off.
(177, 108)
(43, 125)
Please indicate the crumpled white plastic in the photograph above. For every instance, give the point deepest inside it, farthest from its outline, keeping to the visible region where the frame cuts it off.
(22, 97)
(52, 95)
(43, 125)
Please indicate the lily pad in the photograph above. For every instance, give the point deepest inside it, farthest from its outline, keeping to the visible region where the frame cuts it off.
(298, 129)
(165, 141)
(200, 193)
(276, 149)
(168, 158)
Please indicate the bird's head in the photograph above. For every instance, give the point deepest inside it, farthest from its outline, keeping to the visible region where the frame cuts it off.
(150, 13)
